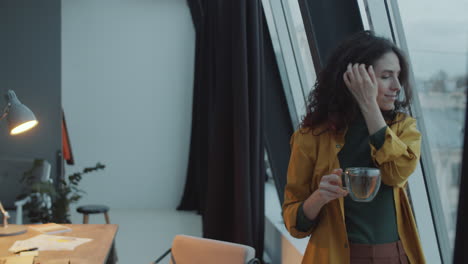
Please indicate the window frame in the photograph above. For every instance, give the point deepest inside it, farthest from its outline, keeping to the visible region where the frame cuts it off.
(285, 53)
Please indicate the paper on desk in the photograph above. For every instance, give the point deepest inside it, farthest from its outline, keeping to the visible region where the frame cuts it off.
(49, 242)
(17, 260)
(29, 253)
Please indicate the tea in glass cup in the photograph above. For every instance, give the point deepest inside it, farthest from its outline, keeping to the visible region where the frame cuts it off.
(362, 183)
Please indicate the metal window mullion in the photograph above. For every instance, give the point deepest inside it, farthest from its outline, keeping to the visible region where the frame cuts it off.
(289, 59)
(372, 7)
(432, 186)
(297, 53)
(289, 74)
(272, 21)
(363, 9)
(423, 214)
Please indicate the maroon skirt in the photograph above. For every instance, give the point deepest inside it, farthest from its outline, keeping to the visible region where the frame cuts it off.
(390, 253)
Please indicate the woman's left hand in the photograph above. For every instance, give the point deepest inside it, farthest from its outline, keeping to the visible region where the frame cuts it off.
(362, 83)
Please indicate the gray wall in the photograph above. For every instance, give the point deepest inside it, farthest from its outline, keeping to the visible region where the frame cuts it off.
(127, 96)
(30, 64)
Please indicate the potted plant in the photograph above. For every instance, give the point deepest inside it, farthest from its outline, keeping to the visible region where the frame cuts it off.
(49, 202)
(68, 192)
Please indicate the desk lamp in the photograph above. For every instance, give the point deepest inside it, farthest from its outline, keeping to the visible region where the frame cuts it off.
(20, 119)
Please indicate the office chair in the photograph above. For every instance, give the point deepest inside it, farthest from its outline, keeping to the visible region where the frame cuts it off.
(195, 250)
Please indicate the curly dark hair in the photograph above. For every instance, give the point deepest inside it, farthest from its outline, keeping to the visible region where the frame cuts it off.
(331, 101)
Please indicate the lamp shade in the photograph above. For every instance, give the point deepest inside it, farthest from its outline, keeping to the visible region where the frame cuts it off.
(19, 117)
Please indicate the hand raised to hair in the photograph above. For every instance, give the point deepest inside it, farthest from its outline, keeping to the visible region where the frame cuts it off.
(362, 83)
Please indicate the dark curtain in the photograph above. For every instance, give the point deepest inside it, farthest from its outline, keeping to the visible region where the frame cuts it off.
(225, 179)
(461, 239)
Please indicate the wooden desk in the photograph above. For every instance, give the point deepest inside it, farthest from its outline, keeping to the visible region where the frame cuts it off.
(94, 252)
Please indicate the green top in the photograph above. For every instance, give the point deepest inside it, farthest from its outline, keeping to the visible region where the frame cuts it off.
(367, 222)
(370, 222)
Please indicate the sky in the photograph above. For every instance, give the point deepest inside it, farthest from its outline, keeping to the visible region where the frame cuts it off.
(437, 35)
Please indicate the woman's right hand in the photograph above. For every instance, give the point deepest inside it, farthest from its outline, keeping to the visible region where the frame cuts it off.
(331, 187)
(362, 83)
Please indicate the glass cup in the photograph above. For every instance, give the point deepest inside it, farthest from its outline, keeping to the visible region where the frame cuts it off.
(362, 183)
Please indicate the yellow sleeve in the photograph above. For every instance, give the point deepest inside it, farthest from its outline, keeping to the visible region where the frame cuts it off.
(399, 155)
(299, 180)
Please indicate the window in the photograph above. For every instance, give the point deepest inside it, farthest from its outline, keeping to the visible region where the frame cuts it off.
(292, 53)
(436, 42)
(296, 69)
(301, 46)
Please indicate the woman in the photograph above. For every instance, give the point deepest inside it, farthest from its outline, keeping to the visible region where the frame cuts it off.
(355, 118)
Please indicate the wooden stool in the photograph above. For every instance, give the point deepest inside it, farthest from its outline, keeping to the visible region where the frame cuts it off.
(86, 210)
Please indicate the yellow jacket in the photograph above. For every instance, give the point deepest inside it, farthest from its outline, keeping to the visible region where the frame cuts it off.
(313, 156)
